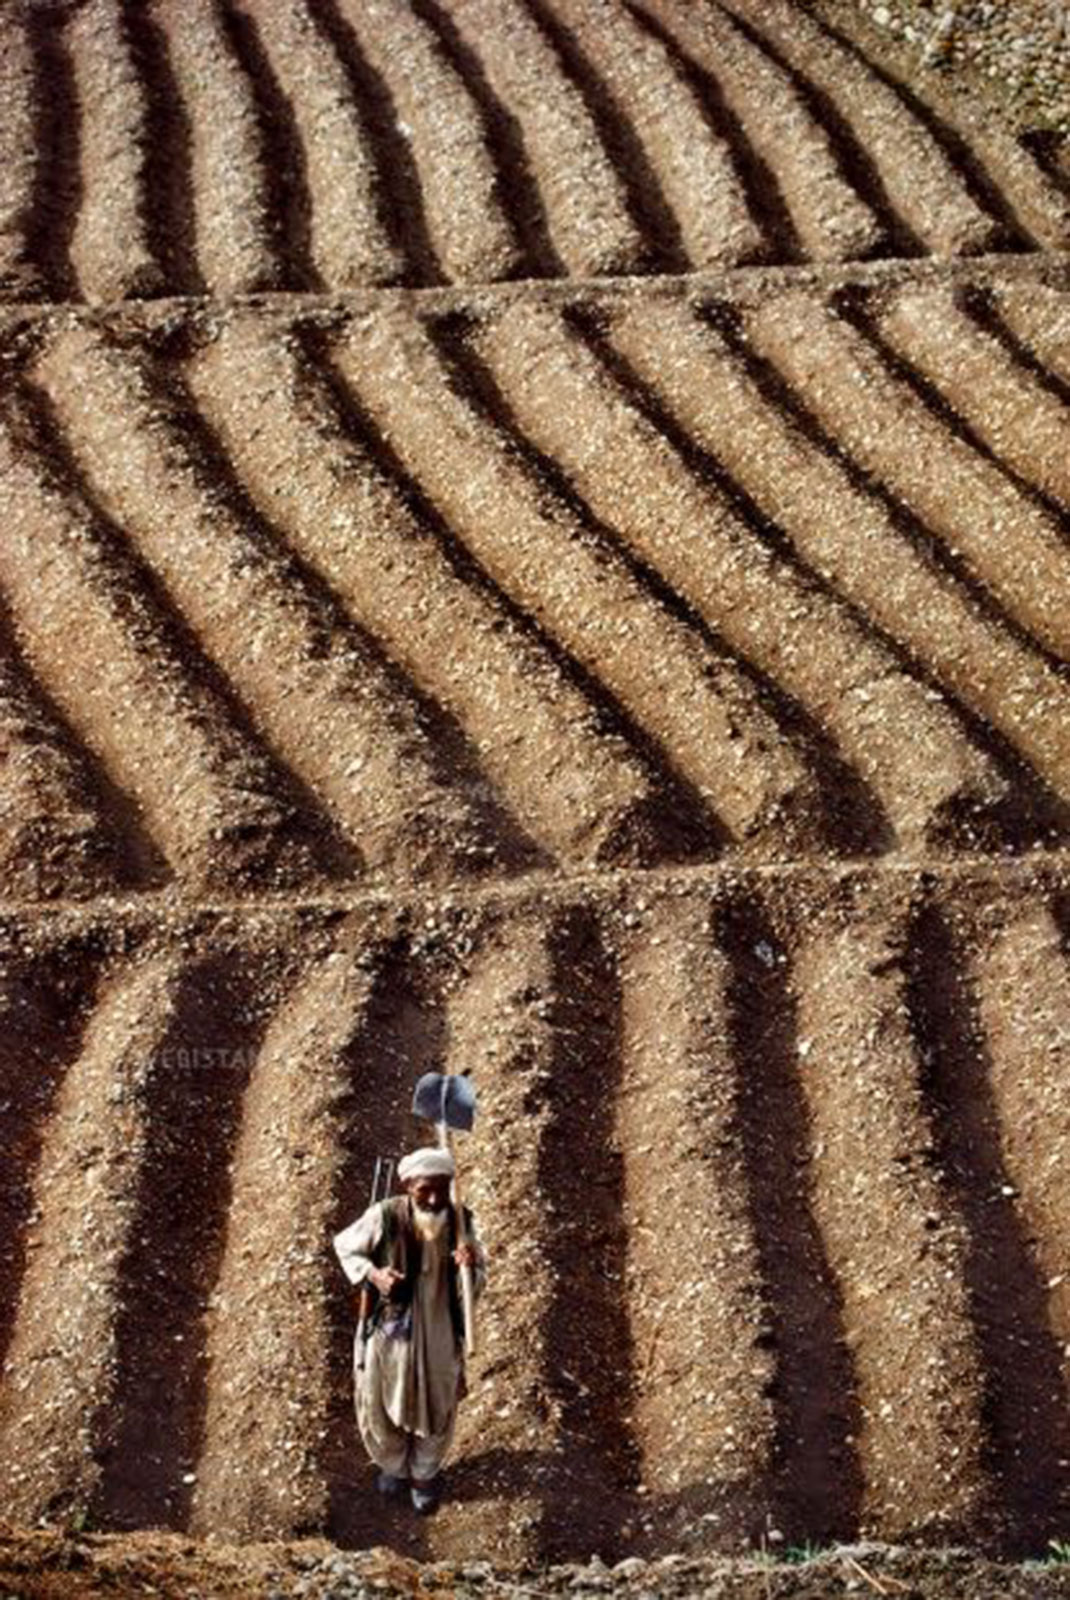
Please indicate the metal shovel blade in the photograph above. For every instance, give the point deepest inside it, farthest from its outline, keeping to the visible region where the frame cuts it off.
(445, 1097)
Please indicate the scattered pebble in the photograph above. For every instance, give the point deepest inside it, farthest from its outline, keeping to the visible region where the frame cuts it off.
(1014, 51)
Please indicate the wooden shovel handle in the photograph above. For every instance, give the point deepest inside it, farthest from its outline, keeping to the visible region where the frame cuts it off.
(468, 1291)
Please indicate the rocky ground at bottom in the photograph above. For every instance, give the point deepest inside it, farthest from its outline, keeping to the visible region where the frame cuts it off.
(59, 1564)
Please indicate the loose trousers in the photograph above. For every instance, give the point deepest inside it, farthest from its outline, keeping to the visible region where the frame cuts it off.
(394, 1449)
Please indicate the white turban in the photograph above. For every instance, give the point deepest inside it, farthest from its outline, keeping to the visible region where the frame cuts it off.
(430, 1162)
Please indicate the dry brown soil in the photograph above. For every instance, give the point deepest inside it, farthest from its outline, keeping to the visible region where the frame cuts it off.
(534, 539)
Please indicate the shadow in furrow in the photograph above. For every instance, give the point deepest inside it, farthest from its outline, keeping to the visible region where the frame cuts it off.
(151, 1433)
(851, 820)
(588, 1339)
(1051, 152)
(818, 1480)
(765, 198)
(1025, 1403)
(311, 821)
(58, 185)
(517, 184)
(169, 152)
(859, 820)
(283, 156)
(457, 764)
(1060, 910)
(857, 166)
(45, 1002)
(647, 206)
(403, 1035)
(677, 826)
(1033, 813)
(979, 304)
(853, 305)
(399, 191)
(134, 860)
(980, 186)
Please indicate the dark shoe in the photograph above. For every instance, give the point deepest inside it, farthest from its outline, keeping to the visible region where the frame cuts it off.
(386, 1483)
(425, 1497)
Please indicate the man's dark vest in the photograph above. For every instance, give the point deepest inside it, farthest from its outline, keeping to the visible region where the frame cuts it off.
(400, 1248)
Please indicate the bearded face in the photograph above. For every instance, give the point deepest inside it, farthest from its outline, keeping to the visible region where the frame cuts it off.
(430, 1206)
(428, 1225)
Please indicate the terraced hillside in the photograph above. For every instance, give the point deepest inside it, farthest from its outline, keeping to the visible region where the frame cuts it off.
(648, 690)
(228, 147)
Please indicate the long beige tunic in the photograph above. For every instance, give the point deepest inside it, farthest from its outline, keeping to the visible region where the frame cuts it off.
(412, 1367)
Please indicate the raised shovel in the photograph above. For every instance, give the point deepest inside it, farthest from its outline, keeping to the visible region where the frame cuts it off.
(449, 1101)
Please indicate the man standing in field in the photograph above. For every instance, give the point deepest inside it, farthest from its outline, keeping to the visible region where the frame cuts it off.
(411, 1379)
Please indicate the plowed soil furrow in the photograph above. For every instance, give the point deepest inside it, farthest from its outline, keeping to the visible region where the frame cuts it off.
(929, 192)
(802, 484)
(702, 713)
(403, 213)
(832, 372)
(853, 156)
(816, 1484)
(516, 179)
(269, 1327)
(45, 986)
(464, 198)
(341, 503)
(178, 1202)
(969, 504)
(1025, 1402)
(588, 219)
(58, 180)
(647, 208)
(1002, 171)
(983, 303)
(896, 1247)
(56, 836)
(169, 177)
(1040, 317)
(210, 799)
(332, 710)
(800, 178)
(112, 247)
(706, 1375)
(676, 152)
(1023, 991)
(812, 649)
(509, 1432)
(341, 194)
(759, 186)
(237, 233)
(20, 276)
(1005, 407)
(285, 161)
(62, 1364)
(770, 1187)
(592, 1355)
(177, 148)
